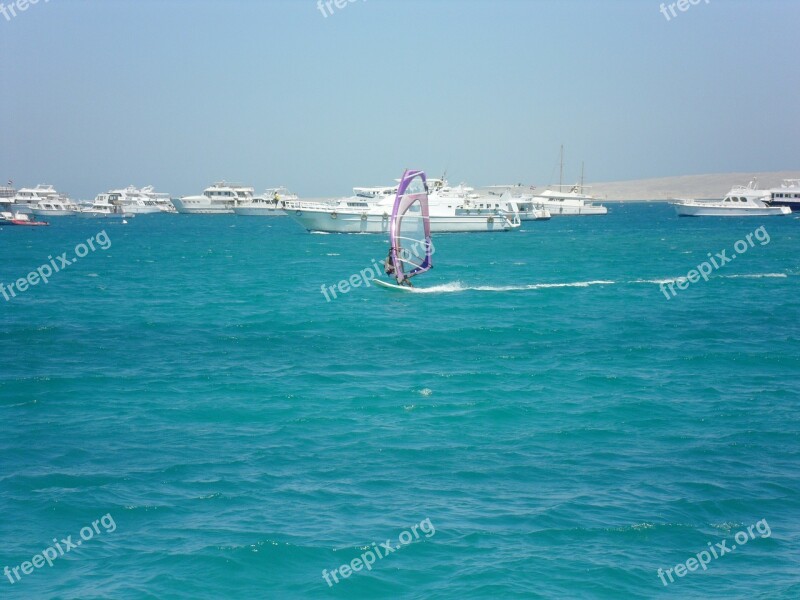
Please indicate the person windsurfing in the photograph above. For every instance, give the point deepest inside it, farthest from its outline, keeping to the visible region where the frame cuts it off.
(390, 269)
(388, 265)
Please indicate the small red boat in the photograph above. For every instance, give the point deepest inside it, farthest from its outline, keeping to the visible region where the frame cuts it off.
(20, 219)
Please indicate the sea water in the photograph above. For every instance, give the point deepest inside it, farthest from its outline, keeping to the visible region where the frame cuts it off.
(564, 424)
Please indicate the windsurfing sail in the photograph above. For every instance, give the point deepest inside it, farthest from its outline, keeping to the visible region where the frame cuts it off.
(410, 229)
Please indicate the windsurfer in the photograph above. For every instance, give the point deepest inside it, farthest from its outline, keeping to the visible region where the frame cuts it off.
(388, 264)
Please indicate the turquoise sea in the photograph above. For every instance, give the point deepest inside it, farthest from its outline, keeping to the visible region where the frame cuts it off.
(188, 405)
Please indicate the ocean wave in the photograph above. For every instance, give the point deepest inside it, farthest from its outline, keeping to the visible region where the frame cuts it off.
(741, 276)
(457, 286)
(756, 276)
(658, 281)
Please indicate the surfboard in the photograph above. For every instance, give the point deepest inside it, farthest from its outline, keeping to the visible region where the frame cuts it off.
(392, 286)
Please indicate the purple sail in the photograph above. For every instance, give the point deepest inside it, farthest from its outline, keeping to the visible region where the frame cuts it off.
(410, 228)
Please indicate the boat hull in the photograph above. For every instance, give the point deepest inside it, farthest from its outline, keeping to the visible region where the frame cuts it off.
(576, 211)
(102, 215)
(197, 208)
(338, 222)
(142, 210)
(21, 223)
(29, 223)
(793, 206)
(534, 215)
(245, 211)
(44, 212)
(695, 210)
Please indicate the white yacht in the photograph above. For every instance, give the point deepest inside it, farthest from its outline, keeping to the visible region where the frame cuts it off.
(270, 204)
(451, 211)
(143, 201)
(786, 195)
(741, 201)
(568, 200)
(56, 207)
(26, 198)
(139, 201)
(7, 193)
(572, 202)
(220, 198)
(104, 208)
(161, 200)
(529, 209)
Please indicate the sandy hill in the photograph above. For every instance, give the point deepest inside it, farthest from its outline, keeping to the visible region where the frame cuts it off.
(687, 186)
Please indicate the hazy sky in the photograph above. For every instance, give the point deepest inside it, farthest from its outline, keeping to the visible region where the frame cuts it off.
(102, 94)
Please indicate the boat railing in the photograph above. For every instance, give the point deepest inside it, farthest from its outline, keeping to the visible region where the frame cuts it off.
(309, 204)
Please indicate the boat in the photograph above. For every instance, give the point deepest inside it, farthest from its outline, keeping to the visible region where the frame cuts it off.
(219, 198)
(529, 208)
(452, 210)
(20, 219)
(786, 195)
(136, 201)
(57, 207)
(411, 249)
(160, 200)
(352, 215)
(375, 192)
(270, 204)
(103, 208)
(7, 193)
(568, 200)
(573, 202)
(27, 198)
(741, 201)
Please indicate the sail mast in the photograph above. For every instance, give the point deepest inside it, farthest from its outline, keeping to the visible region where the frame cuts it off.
(561, 171)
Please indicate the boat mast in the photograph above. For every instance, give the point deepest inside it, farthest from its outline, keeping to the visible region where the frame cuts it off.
(561, 171)
(581, 177)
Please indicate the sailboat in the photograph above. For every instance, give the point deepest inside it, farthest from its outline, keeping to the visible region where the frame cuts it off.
(409, 233)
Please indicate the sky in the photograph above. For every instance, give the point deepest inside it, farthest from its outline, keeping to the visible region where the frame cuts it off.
(101, 94)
